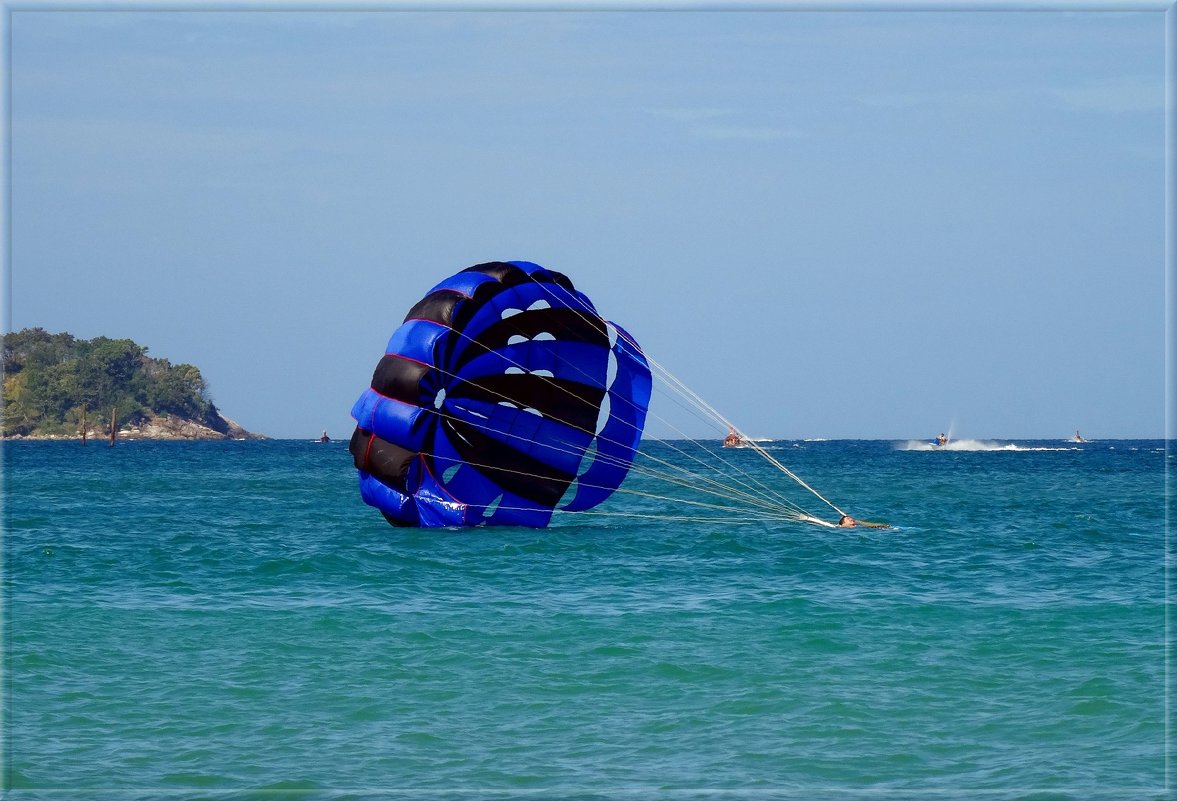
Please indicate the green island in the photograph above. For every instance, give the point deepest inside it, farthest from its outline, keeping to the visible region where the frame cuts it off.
(56, 386)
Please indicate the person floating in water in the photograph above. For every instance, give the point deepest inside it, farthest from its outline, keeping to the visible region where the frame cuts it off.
(849, 522)
(942, 440)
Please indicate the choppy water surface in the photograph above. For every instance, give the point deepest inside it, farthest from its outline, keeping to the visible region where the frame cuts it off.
(228, 619)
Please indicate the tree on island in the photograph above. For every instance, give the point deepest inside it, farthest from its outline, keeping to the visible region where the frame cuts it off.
(51, 380)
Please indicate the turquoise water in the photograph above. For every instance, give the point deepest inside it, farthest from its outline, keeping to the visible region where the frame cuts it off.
(211, 620)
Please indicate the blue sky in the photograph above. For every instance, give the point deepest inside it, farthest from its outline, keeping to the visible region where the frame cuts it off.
(829, 224)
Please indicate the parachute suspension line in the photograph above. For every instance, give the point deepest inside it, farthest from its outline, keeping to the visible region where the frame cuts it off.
(684, 392)
(689, 480)
(702, 504)
(694, 408)
(670, 478)
(748, 492)
(591, 317)
(692, 397)
(743, 521)
(683, 401)
(755, 446)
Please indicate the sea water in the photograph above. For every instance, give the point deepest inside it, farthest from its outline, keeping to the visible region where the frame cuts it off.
(228, 619)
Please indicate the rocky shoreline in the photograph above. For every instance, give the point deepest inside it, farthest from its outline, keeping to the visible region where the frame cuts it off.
(164, 427)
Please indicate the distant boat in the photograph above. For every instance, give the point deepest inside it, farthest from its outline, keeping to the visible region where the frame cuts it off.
(735, 439)
(324, 438)
(1078, 437)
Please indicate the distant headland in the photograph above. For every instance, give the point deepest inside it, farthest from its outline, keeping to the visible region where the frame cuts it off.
(57, 386)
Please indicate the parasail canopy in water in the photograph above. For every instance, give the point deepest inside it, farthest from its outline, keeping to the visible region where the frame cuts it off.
(503, 396)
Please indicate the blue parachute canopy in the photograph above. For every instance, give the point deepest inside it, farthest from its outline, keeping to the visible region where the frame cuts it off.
(503, 396)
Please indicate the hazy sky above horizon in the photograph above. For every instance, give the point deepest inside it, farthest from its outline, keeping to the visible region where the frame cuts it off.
(828, 224)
